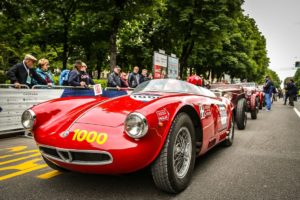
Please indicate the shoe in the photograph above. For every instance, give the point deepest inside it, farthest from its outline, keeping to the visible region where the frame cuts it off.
(268, 110)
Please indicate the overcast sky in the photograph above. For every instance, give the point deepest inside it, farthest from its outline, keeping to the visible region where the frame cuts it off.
(279, 21)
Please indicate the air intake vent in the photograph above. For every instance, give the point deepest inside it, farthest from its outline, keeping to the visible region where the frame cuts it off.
(78, 157)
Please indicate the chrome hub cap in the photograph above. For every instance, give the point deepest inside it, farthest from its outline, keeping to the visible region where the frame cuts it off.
(182, 154)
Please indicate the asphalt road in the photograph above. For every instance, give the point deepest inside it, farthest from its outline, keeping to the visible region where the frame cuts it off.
(263, 163)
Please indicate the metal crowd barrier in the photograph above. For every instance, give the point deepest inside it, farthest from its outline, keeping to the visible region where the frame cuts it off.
(13, 86)
(13, 101)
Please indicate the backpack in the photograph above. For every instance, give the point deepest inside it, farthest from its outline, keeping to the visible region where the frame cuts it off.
(63, 78)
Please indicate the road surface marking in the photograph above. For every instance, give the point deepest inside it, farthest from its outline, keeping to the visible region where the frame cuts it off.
(19, 153)
(297, 112)
(22, 168)
(17, 148)
(49, 174)
(18, 159)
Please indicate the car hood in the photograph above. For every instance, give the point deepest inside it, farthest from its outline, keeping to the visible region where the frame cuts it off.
(112, 112)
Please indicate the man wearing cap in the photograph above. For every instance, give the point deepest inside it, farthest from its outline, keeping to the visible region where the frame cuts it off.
(23, 73)
(114, 79)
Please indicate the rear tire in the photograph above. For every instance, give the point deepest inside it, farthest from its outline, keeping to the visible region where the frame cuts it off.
(241, 115)
(172, 169)
(54, 166)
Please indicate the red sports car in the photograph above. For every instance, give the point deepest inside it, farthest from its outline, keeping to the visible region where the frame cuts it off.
(163, 123)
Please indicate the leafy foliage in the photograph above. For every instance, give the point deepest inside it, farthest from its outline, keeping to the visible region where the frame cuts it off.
(210, 37)
(297, 78)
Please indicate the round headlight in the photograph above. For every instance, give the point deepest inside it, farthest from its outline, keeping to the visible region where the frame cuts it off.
(28, 119)
(136, 125)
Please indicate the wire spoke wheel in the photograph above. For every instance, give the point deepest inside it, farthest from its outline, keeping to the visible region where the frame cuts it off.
(172, 170)
(182, 152)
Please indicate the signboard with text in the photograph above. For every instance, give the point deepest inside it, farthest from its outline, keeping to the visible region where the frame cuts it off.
(173, 67)
(159, 65)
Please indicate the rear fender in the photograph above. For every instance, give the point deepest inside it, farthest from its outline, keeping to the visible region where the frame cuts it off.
(253, 102)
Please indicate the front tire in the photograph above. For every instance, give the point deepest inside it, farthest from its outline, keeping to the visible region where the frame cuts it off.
(241, 115)
(172, 170)
(255, 111)
(261, 102)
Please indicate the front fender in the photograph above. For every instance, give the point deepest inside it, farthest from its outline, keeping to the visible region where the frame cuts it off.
(54, 115)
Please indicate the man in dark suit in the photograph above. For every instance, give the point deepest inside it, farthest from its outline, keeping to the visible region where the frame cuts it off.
(24, 73)
(114, 79)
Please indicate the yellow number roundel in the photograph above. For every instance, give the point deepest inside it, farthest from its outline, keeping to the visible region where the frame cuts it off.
(89, 137)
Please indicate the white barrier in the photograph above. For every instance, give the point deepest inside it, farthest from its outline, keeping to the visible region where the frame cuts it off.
(13, 102)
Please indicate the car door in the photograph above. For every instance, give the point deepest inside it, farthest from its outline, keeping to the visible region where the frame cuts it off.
(211, 110)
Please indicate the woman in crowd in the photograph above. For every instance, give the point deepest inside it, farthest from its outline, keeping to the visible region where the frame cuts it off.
(44, 72)
(84, 76)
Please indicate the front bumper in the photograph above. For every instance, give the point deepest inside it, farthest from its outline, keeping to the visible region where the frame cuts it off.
(118, 155)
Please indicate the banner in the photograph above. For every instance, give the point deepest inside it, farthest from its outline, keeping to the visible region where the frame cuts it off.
(173, 67)
(159, 65)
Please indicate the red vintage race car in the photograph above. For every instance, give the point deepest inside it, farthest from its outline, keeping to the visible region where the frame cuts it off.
(254, 98)
(163, 123)
(237, 96)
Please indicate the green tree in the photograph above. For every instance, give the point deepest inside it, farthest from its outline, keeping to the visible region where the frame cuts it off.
(274, 77)
(297, 78)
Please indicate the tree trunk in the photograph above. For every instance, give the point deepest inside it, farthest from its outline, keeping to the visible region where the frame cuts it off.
(113, 50)
(114, 32)
(186, 52)
(65, 43)
(98, 69)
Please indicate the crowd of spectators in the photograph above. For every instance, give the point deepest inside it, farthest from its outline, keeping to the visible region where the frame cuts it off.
(120, 79)
(25, 73)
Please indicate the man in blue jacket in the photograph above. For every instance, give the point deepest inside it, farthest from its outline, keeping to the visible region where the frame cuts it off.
(268, 89)
(74, 75)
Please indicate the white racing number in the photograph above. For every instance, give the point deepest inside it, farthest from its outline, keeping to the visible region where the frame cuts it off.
(223, 116)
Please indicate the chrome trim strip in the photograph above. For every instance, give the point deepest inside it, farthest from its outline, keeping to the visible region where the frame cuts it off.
(70, 160)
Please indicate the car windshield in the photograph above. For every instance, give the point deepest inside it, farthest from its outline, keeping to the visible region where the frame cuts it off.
(172, 86)
(248, 84)
(224, 86)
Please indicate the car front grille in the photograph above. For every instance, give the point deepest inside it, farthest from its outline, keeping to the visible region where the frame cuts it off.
(78, 157)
